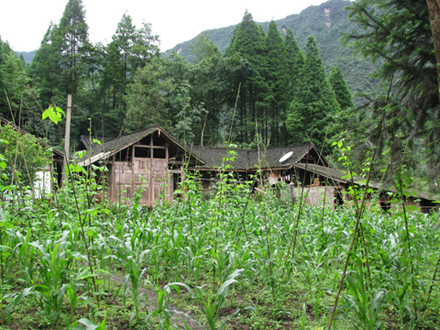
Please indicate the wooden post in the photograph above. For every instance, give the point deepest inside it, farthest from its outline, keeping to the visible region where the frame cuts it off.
(167, 187)
(112, 181)
(67, 135)
(133, 175)
(151, 172)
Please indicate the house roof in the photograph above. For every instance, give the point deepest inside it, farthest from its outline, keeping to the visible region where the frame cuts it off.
(271, 157)
(89, 143)
(213, 157)
(246, 159)
(340, 176)
(113, 146)
(331, 173)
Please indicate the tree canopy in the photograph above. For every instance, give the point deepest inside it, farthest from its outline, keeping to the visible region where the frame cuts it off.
(397, 34)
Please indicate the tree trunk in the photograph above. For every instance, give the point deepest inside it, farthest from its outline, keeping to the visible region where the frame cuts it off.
(434, 17)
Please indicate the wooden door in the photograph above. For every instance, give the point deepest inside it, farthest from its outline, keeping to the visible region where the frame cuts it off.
(159, 178)
(141, 178)
(123, 182)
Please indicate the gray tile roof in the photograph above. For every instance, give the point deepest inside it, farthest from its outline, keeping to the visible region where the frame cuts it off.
(246, 159)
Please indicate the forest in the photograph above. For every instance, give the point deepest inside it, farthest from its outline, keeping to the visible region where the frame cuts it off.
(261, 77)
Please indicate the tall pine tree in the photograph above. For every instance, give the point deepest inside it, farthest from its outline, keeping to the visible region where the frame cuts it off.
(295, 61)
(130, 50)
(60, 67)
(314, 104)
(73, 44)
(277, 79)
(248, 41)
(340, 88)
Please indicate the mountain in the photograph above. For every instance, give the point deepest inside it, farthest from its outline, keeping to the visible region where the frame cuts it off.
(326, 22)
(28, 56)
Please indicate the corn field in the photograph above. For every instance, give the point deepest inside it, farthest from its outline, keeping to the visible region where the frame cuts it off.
(232, 261)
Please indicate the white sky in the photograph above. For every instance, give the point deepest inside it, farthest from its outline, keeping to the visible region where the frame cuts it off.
(23, 23)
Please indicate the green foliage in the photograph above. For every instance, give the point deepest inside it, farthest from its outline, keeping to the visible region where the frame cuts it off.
(24, 156)
(105, 81)
(13, 80)
(278, 96)
(145, 98)
(314, 105)
(129, 255)
(54, 114)
(340, 88)
(124, 86)
(248, 42)
(326, 22)
(209, 260)
(295, 61)
(204, 48)
(130, 50)
(189, 117)
(390, 32)
(362, 311)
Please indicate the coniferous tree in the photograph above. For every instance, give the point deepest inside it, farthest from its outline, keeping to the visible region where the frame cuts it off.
(72, 42)
(131, 49)
(45, 68)
(248, 41)
(340, 88)
(13, 80)
(314, 105)
(111, 89)
(399, 35)
(60, 67)
(277, 79)
(295, 61)
(208, 89)
(204, 48)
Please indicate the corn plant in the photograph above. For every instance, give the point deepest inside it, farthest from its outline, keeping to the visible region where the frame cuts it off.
(211, 305)
(25, 255)
(133, 260)
(52, 269)
(90, 325)
(359, 308)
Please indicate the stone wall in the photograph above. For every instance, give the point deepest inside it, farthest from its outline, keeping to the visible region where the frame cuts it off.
(315, 195)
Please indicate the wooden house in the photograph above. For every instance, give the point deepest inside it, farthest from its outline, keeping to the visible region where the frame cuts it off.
(333, 183)
(149, 162)
(246, 162)
(152, 162)
(304, 169)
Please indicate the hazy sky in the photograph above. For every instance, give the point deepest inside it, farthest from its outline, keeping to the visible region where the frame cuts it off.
(24, 22)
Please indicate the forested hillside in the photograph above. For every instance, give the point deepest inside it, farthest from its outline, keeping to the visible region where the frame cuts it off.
(271, 85)
(27, 56)
(325, 22)
(126, 85)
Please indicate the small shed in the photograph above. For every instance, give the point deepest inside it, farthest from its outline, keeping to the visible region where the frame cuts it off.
(149, 162)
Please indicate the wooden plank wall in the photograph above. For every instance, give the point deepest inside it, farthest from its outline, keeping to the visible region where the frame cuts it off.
(146, 174)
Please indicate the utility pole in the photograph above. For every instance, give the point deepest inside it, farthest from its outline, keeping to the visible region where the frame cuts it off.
(67, 135)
